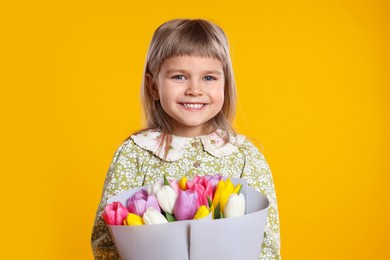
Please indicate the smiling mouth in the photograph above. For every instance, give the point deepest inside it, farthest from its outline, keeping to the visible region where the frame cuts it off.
(193, 105)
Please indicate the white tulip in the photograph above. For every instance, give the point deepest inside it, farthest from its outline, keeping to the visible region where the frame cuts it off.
(152, 216)
(235, 206)
(152, 189)
(166, 198)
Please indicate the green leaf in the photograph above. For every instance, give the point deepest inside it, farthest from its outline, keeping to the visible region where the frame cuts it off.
(209, 201)
(222, 216)
(238, 193)
(217, 211)
(166, 182)
(170, 217)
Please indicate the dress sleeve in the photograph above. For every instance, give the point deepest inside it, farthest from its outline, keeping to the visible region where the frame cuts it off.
(259, 176)
(122, 175)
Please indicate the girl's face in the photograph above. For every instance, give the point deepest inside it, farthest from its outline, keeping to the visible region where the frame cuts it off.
(191, 92)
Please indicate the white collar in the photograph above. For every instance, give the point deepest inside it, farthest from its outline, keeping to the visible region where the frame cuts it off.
(213, 143)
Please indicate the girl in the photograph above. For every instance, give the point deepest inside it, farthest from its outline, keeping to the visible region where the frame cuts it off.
(188, 93)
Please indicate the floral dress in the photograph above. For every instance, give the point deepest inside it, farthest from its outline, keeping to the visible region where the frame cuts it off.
(140, 161)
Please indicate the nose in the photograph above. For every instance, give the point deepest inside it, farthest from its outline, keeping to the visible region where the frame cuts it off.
(194, 88)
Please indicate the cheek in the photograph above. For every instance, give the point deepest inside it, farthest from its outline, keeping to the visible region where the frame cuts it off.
(165, 100)
(165, 92)
(168, 95)
(219, 94)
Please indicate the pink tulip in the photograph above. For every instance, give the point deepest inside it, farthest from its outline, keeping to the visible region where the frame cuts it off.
(186, 205)
(203, 187)
(140, 202)
(174, 186)
(115, 213)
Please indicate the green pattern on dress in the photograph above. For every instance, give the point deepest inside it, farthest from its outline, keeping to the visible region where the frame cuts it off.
(133, 166)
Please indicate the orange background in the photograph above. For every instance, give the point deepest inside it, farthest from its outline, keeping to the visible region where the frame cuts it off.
(313, 84)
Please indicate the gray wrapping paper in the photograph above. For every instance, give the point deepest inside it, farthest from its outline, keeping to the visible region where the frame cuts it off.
(221, 239)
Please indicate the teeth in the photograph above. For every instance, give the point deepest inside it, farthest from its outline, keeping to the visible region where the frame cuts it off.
(193, 105)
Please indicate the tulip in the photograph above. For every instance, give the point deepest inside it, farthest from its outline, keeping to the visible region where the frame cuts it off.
(133, 220)
(237, 189)
(152, 216)
(185, 206)
(153, 188)
(115, 213)
(214, 179)
(202, 187)
(182, 183)
(202, 212)
(235, 206)
(140, 202)
(226, 192)
(218, 191)
(223, 191)
(175, 186)
(166, 198)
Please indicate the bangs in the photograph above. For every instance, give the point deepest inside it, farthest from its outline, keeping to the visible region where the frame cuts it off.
(190, 39)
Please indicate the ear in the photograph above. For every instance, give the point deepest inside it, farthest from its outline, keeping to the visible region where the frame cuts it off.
(151, 86)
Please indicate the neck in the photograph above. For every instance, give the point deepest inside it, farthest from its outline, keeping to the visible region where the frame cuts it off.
(191, 131)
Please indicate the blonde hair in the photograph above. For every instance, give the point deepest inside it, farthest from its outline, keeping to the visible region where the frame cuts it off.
(182, 37)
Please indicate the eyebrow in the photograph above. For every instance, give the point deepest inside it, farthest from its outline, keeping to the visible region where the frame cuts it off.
(186, 71)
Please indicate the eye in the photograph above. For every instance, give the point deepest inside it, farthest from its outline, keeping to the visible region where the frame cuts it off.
(179, 77)
(209, 78)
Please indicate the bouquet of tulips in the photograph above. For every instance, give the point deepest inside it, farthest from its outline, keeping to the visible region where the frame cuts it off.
(201, 217)
(178, 200)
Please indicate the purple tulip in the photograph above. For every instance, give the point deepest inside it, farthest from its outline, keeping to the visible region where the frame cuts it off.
(214, 179)
(141, 201)
(185, 207)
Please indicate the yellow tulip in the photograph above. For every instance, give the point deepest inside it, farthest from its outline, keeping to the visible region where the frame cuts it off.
(133, 220)
(225, 194)
(182, 183)
(222, 193)
(237, 189)
(202, 212)
(218, 191)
